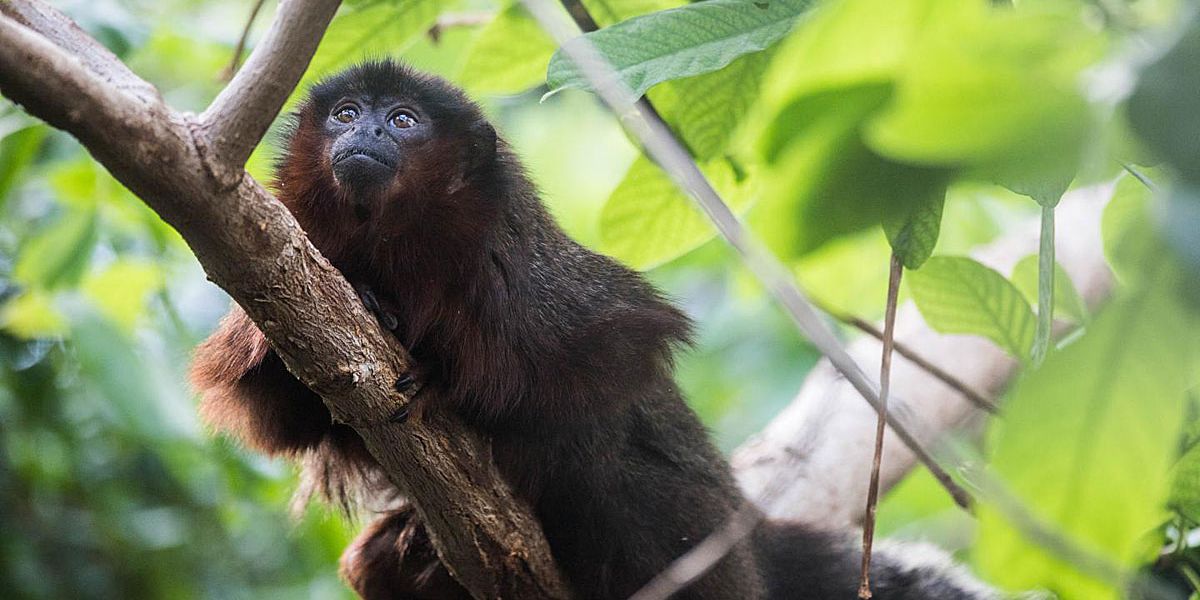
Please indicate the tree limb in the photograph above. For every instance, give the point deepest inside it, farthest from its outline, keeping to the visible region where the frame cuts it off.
(252, 247)
(240, 115)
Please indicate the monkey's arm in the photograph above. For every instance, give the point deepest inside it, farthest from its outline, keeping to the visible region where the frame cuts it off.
(247, 391)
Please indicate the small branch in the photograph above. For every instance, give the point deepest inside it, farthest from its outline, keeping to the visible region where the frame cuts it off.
(236, 61)
(912, 356)
(464, 19)
(1046, 274)
(661, 145)
(240, 115)
(885, 372)
(703, 557)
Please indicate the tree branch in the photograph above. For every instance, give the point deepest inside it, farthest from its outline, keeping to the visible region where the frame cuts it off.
(240, 115)
(251, 246)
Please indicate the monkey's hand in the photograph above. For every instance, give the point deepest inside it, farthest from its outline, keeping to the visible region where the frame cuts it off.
(386, 318)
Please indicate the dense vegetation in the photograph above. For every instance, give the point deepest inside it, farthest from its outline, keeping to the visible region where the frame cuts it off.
(841, 130)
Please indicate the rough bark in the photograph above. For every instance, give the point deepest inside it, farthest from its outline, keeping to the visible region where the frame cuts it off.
(189, 170)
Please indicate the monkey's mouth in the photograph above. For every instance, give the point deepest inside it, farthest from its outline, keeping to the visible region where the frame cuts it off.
(362, 153)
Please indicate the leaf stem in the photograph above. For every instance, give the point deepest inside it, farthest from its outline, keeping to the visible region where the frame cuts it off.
(885, 375)
(1045, 313)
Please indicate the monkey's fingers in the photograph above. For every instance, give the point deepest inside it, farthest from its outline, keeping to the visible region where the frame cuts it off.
(387, 319)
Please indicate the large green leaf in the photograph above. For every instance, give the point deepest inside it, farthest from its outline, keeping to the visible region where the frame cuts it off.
(509, 56)
(996, 91)
(960, 295)
(1085, 446)
(681, 42)
(707, 109)
(647, 221)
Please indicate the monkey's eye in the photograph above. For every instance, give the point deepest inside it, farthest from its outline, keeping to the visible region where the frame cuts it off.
(402, 119)
(345, 114)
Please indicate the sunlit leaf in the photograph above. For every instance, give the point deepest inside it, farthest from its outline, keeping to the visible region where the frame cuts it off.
(121, 290)
(647, 221)
(960, 295)
(30, 315)
(681, 42)
(1086, 443)
(1130, 240)
(998, 92)
(608, 12)
(509, 56)
(707, 109)
(1067, 302)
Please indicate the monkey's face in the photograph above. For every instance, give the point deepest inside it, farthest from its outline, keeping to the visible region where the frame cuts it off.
(371, 139)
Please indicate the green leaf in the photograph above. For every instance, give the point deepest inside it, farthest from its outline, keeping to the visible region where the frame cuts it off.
(647, 221)
(57, 255)
(608, 12)
(824, 182)
(509, 55)
(1086, 443)
(997, 92)
(17, 151)
(369, 30)
(1165, 108)
(850, 43)
(707, 109)
(1130, 239)
(1067, 302)
(913, 232)
(31, 315)
(120, 291)
(681, 42)
(960, 295)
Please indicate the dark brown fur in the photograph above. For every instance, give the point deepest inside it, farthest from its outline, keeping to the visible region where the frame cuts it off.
(561, 355)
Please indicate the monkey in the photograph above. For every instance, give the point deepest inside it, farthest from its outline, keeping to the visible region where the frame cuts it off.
(561, 356)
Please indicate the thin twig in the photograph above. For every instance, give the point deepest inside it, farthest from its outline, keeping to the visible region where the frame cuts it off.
(236, 61)
(921, 362)
(661, 145)
(885, 378)
(463, 19)
(1140, 176)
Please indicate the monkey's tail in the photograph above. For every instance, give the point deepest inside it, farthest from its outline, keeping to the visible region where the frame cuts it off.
(801, 563)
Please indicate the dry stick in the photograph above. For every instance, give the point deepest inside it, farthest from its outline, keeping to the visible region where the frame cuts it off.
(885, 376)
(904, 350)
(236, 61)
(661, 145)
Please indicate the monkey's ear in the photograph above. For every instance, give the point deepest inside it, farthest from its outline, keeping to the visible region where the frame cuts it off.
(479, 154)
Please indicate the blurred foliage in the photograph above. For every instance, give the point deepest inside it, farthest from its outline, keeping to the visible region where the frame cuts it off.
(841, 130)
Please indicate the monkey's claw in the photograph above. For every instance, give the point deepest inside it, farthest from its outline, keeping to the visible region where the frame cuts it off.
(387, 319)
(405, 383)
(400, 416)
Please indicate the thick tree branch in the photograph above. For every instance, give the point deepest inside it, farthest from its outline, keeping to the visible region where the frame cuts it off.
(240, 115)
(250, 245)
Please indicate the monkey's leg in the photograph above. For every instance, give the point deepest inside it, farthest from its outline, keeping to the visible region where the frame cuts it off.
(393, 559)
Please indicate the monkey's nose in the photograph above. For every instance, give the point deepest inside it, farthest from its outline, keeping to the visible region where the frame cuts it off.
(378, 131)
